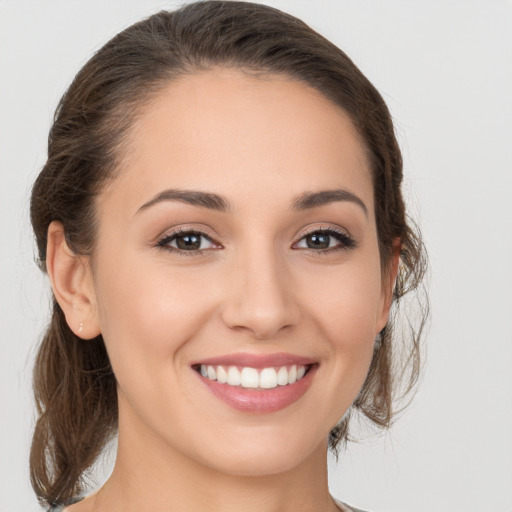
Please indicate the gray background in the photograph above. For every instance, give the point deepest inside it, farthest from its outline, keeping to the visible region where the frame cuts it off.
(444, 67)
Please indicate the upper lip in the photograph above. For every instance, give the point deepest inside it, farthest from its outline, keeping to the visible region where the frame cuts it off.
(259, 361)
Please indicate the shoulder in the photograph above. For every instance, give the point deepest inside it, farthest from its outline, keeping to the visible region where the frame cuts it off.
(62, 507)
(347, 508)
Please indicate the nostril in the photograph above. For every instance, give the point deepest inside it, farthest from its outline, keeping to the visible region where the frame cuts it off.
(262, 306)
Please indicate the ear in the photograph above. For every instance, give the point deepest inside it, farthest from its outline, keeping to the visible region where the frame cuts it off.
(388, 285)
(72, 283)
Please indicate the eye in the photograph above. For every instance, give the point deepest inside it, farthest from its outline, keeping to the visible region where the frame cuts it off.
(325, 240)
(187, 241)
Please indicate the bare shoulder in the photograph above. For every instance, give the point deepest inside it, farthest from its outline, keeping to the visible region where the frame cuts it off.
(81, 505)
(86, 505)
(347, 508)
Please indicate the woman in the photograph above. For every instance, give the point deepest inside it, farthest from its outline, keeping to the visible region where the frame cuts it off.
(221, 220)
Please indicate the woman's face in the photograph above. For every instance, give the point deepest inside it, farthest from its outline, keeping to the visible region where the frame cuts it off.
(239, 241)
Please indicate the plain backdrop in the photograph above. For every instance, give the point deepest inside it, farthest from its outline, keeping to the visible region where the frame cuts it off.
(445, 70)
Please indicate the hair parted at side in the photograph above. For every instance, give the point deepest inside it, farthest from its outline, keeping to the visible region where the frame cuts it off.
(75, 388)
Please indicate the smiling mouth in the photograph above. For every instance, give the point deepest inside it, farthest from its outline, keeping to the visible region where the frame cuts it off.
(254, 378)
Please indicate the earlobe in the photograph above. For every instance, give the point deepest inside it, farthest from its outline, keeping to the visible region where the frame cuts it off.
(72, 284)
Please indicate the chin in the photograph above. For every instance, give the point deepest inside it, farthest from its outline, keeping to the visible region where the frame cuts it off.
(257, 457)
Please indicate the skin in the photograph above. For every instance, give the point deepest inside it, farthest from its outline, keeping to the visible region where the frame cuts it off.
(259, 142)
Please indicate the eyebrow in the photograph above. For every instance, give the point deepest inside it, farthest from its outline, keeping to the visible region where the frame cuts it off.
(193, 197)
(212, 201)
(316, 199)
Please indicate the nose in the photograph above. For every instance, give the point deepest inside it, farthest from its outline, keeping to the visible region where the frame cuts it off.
(261, 299)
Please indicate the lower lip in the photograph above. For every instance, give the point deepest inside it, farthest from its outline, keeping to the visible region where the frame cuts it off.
(260, 400)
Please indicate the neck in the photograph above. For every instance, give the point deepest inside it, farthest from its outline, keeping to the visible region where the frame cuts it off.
(150, 475)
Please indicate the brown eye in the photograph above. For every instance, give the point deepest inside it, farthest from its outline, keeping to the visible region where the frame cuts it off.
(325, 240)
(318, 241)
(187, 241)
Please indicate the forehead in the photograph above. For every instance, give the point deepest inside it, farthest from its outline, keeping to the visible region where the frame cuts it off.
(237, 133)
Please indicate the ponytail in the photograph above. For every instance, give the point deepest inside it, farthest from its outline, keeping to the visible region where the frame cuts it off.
(76, 400)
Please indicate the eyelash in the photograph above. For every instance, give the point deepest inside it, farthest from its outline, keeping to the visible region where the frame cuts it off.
(167, 239)
(346, 242)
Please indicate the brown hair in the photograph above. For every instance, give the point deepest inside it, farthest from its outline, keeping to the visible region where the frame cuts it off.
(74, 386)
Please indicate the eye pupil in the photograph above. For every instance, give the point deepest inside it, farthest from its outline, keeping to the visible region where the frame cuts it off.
(189, 242)
(318, 241)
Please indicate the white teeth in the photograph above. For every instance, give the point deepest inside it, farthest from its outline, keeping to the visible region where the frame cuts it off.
(212, 374)
(266, 378)
(249, 378)
(282, 376)
(233, 376)
(292, 375)
(222, 376)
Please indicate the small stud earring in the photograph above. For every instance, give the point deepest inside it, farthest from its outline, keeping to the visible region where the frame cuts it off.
(80, 327)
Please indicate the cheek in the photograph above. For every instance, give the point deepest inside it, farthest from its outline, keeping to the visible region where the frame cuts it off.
(346, 313)
(349, 302)
(148, 312)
